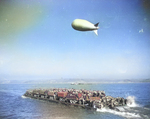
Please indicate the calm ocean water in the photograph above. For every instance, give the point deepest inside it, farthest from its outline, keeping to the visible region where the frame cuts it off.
(15, 106)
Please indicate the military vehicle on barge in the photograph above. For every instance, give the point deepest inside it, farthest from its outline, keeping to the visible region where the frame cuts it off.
(81, 98)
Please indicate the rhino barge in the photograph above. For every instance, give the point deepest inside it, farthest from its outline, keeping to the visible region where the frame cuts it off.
(80, 98)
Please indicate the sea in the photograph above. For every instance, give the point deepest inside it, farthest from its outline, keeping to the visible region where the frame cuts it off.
(13, 105)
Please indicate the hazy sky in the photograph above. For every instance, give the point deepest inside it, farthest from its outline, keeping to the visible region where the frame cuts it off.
(37, 40)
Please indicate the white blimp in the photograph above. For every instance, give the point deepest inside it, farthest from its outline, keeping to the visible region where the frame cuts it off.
(84, 25)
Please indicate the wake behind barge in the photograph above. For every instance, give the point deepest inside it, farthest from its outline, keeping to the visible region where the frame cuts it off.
(81, 98)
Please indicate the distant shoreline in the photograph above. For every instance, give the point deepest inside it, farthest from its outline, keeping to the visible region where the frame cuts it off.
(71, 83)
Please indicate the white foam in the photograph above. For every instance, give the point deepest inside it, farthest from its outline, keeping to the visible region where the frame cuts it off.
(23, 96)
(121, 108)
(131, 101)
(146, 108)
(120, 113)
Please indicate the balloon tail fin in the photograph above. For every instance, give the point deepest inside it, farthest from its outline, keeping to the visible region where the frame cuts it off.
(95, 31)
(96, 25)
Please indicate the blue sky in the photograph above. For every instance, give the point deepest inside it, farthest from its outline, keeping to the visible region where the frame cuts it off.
(37, 40)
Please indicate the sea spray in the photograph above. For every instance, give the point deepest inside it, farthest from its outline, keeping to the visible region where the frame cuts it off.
(131, 101)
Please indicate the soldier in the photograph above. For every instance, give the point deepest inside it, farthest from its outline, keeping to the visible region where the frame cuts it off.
(104, 101)
(112, 103)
